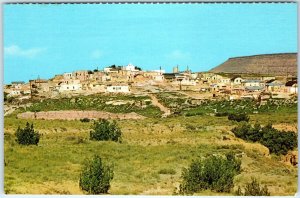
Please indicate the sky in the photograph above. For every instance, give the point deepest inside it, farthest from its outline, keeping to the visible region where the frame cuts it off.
(48, 39)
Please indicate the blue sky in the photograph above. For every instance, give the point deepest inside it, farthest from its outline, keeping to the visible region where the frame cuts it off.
(44, 40)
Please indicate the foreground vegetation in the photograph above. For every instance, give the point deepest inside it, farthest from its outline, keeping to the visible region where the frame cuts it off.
(215, 173)
(150, 158)
(278, 142)
(157, 155)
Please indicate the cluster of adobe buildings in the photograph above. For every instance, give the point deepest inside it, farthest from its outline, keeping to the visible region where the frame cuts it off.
(125, 79)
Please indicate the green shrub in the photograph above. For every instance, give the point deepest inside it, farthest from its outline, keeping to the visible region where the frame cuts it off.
(27, 135)
(167, 171)
(253, 189)
(105, 130)
(238, 117)
(214, 173)
(85, 120)
(278, 142)
(221, 114)
(95, 177)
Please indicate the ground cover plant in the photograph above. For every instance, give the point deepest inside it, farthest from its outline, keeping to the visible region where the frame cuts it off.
(278, 142)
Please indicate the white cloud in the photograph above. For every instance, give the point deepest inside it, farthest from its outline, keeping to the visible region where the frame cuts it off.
(178, 55)
(15, 50)
(96, 54)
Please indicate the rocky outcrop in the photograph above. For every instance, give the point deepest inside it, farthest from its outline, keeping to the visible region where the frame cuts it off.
(76, 115)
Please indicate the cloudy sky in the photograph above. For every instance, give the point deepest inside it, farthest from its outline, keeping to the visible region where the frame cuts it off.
(44, 40)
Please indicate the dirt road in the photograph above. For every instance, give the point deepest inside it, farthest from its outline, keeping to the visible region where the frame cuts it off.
(164, 109)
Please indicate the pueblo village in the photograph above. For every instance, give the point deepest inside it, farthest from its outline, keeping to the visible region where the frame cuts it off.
(245, 108)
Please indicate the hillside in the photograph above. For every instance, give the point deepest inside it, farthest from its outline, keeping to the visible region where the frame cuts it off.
(273, 64)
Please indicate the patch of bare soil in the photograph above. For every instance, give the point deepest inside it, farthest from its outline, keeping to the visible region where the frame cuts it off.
(286, 127)
(76, 115)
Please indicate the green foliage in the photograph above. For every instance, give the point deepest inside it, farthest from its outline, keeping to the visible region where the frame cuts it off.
(98, 102)
(85, 120)
(27, 135)
(242, 106)
(238, 117)
(167, 171)
(221, 114)
(214, 173)
(278, 142)
(253, 189)
(95, 177)
(105, 130)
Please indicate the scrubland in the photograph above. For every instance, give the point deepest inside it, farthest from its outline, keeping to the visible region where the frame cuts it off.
(150, 158)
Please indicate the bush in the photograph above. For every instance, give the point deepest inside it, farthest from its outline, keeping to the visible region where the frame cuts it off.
(105, 130)
(85, 120)
(167, 171)
(27, 135)
(253, 189)
(238, 117)
(221, 114)
(214, 173)
(278, 142)
(95, 177)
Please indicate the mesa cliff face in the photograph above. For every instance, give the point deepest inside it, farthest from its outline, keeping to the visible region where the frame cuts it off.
(272, 64)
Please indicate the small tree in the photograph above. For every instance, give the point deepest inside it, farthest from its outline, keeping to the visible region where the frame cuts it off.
(253, 189)
(27, 135)
(105, 130)
(95, 177)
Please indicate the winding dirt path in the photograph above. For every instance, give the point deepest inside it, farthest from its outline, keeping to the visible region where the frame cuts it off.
(164, 109)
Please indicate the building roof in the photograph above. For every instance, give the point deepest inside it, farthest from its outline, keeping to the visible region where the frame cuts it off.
(275, 84)
(290, 83)
(254, 88)
(251, 81)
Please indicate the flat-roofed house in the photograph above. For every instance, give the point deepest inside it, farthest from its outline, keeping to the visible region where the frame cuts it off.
(275, 86)
(291, 87)
(73, 85)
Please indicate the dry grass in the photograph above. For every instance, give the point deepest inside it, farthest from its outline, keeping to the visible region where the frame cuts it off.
(148, 146)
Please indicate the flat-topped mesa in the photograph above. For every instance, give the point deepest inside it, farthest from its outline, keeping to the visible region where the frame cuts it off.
(273, 64)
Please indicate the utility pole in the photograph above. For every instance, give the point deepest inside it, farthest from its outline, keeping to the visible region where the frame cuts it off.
(30, 89)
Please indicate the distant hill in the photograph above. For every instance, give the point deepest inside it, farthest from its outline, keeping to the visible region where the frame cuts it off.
(273, 64)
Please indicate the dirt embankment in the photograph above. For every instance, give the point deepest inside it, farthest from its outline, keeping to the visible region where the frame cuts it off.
(76, 115)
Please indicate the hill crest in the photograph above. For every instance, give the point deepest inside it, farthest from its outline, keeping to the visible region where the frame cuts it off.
(272, 64)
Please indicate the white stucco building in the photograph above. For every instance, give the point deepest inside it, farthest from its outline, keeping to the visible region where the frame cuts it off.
(73, 85)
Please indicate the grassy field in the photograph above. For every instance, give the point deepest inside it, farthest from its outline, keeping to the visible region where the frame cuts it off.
(148, 161)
